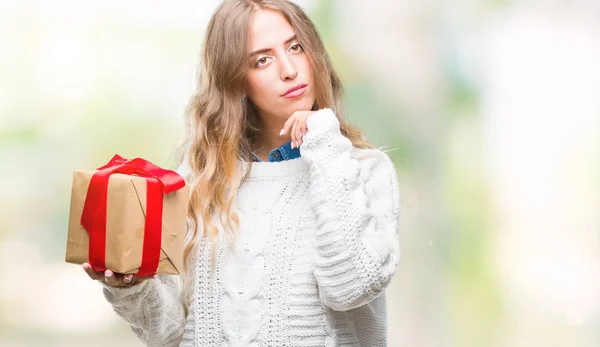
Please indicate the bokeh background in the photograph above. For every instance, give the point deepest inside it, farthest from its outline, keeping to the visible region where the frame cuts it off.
(491, 107)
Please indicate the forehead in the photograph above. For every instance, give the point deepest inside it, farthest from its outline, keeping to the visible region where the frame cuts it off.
(268, 29)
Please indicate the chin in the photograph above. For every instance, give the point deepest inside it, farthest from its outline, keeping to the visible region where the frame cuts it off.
(305, 104)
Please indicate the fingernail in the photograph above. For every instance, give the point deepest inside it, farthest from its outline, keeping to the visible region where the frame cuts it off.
(107, 273)
(154, 277)
(281, 132)
(86, 266)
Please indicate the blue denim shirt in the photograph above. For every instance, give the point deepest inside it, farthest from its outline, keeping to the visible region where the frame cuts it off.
(285, 152)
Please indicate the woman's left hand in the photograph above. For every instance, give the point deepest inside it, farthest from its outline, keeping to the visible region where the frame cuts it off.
(296, 126)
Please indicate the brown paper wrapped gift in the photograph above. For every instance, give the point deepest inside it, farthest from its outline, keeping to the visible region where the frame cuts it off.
(125, 218)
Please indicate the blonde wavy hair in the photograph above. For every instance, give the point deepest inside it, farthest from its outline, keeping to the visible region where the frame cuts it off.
(222, 125)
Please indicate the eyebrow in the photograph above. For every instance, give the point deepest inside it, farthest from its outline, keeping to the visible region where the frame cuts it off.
(264, 50)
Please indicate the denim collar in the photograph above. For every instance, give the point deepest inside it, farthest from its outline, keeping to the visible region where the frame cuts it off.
(285, 152)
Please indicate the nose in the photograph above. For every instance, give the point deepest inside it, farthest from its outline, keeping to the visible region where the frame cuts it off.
(288, 69)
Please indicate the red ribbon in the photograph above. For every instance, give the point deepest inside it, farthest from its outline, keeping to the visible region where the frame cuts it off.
(93, 219)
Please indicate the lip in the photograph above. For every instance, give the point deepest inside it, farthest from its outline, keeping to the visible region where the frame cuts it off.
(295, 91)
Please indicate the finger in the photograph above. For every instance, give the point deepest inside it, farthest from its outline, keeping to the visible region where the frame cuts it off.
(297, 132)
(299, 127)
(128, 279)
(288, 123)
(304, 129)
(91, 273)
(294, 134)
(303, 132)
(110, 278)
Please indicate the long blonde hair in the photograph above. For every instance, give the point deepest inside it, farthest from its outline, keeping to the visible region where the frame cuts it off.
(222, 125)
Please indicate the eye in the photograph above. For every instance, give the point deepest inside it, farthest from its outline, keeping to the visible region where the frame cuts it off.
(296, 48)
(261, 61)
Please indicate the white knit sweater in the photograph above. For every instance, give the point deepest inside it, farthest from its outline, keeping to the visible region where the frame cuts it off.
(316, 248)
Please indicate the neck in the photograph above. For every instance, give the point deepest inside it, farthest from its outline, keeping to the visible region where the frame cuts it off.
(269, 138)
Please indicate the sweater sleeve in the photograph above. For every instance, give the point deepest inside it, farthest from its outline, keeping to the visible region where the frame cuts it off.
(152, 309)
(356, 204)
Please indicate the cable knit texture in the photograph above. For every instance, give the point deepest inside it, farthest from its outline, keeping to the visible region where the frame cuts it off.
(316, 248)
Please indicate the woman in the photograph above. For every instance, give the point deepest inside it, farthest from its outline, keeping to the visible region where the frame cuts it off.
(292, 229)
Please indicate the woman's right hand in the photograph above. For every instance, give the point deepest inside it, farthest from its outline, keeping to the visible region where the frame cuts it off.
(114, 279)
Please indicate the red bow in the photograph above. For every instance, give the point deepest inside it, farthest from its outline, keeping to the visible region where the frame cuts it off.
(93, 219)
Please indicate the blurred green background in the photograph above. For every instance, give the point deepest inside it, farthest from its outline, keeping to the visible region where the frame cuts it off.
(492, 109)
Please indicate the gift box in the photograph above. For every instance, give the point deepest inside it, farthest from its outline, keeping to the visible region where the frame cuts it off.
(128, 216)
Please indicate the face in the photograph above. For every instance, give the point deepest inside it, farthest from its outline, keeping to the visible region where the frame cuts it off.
(280, 79)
